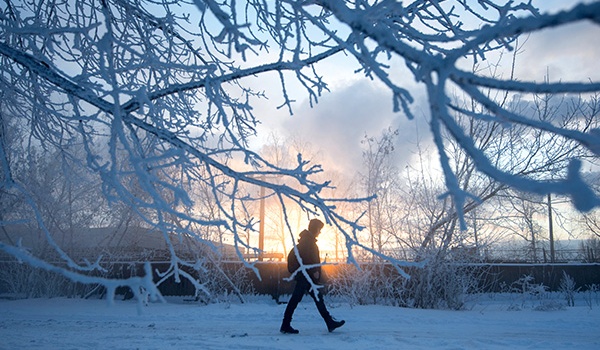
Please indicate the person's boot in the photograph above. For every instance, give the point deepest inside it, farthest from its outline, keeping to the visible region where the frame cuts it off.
(333, 324)
(286, 328)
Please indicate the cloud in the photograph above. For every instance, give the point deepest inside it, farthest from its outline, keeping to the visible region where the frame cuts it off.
(568, 53)
(342, 118)
(357, 106)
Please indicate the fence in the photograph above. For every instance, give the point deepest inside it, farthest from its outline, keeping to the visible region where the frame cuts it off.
(524, 255)
(274, 276)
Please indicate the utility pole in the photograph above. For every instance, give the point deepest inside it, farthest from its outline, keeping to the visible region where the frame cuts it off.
(551, 229)
(475, 232)
(261, 228)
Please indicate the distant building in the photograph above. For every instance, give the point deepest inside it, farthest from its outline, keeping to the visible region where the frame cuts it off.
(130, 244)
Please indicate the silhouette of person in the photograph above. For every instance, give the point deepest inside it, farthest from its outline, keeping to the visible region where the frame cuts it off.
(309, 254)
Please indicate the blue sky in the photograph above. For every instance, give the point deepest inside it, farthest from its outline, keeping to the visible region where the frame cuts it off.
(357, 106)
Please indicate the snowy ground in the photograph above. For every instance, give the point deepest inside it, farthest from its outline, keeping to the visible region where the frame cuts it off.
(487, 324)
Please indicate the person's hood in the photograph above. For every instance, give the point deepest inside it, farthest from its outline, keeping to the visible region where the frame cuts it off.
(307, 235)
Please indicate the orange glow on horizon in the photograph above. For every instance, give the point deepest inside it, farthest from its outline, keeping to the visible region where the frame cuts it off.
(326, 242)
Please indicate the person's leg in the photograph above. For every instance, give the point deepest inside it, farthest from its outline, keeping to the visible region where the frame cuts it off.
(295, 299)
(320, 303)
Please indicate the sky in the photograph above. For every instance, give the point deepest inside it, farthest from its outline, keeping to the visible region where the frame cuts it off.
(357, 106)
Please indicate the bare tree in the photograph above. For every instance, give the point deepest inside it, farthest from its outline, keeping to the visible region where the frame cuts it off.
(165, 83)
(592, 223)
(588, 223)
(380, 180)
(523, 220)
(433, 229)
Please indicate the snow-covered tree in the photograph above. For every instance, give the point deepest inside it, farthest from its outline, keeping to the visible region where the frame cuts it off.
(380, 176)
(170, 85)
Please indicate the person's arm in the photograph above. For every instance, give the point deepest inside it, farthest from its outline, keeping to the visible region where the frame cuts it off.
(316, 271)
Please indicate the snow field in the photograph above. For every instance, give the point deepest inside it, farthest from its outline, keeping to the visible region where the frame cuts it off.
(94, 324)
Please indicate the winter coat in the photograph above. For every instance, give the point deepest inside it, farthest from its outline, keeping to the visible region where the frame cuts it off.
(309, 252)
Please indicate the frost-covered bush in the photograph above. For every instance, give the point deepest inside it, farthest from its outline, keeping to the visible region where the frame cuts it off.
(567, 288)
(442, 284)
(592, 295)
(211, 282)
(525, 290)
(226, 282)
(549, 305)
(375, 283)
(18, 280)
(525, 285)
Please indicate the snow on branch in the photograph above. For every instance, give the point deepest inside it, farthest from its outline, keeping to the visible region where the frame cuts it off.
(434, 60)
(135, 283)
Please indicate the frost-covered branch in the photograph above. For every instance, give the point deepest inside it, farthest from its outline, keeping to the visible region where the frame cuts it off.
(434, 60)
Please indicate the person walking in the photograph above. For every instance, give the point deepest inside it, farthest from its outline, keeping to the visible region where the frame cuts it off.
(309, 255)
